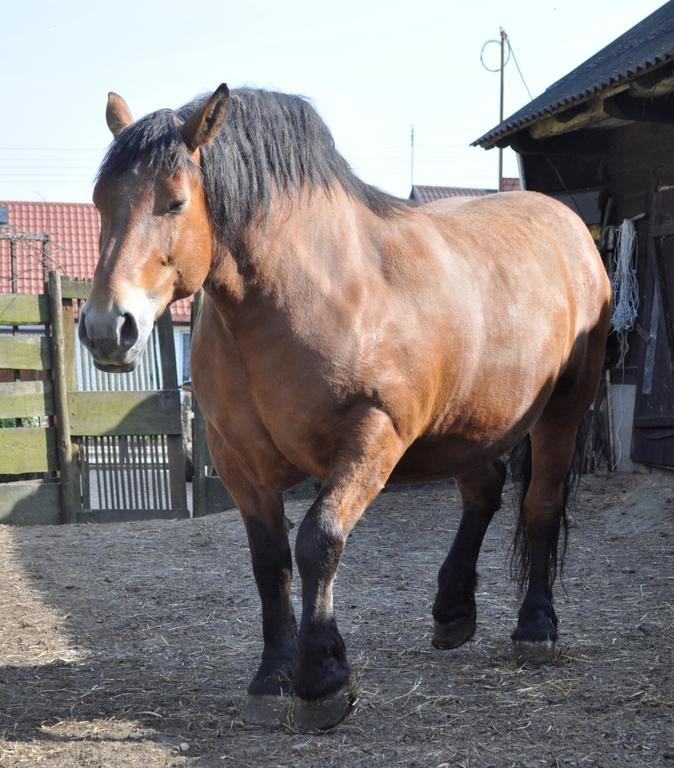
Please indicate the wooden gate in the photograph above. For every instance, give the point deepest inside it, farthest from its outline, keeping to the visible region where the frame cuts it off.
(77, 444)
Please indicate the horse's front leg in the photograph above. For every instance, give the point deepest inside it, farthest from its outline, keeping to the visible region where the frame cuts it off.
(364, 460)
(266, 525)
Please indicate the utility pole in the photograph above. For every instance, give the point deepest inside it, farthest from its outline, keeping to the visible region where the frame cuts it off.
(504, 37)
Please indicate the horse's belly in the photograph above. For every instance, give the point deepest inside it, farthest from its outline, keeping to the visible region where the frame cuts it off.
(444, 457)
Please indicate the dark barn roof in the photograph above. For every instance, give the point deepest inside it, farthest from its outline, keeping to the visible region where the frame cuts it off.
(647, 45)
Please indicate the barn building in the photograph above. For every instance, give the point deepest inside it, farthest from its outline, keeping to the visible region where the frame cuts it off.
(601, 139)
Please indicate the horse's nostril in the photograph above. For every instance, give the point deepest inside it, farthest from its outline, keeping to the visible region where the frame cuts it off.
(82, 328)
(129, 331)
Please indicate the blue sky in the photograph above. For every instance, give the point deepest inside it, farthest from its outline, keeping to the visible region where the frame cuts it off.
(372, 69)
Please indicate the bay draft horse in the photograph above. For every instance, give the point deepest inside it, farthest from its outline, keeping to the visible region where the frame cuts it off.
(354, 337)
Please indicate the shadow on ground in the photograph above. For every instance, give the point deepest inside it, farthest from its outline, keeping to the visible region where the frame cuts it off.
(132, 644)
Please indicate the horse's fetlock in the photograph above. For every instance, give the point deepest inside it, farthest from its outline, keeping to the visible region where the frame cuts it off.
(322, 666)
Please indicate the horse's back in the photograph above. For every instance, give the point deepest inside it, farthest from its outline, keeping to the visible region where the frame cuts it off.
(530, 236)
(527, 298)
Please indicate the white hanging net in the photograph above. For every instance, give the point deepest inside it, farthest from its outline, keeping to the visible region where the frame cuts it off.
(622, 249)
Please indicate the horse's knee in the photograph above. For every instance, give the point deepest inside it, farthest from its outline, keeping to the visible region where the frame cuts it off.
(320, 543)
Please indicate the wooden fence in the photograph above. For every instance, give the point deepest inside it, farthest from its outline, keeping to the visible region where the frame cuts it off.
(77, 444)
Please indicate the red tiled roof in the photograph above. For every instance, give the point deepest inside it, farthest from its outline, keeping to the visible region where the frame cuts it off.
(73, 229)
(426, 194)
(510, 184)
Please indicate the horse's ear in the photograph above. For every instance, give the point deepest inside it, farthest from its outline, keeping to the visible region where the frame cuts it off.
(202, 126)
(117, 114)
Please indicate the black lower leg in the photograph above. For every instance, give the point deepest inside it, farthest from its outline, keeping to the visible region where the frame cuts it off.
(537, 621)
(457, 576)
(454, 606)
(272, 566)
(322, 667)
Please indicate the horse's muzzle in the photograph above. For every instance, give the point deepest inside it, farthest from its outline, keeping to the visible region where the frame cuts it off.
(112, 337)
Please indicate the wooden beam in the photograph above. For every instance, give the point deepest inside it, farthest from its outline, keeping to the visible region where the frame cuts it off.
(75, 289)
(26, 398)
(27, 449)
(25, 352)
(23, 309)
(125, 413)
(572, 119)
(657, 82)
(626, 107)
(584, 142)
(586, 114)
(127, 515)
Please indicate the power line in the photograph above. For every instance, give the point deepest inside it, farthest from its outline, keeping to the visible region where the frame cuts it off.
(52, 149)
(510, 48)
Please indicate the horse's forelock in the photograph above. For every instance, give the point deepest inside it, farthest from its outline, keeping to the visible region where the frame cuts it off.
(154, 142)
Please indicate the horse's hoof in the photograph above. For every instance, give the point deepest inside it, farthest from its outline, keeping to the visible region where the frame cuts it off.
(264, 710)
(536, 653)
(452, 634)
(321, 714)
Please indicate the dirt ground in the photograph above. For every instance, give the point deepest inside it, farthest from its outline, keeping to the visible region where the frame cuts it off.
(132, 644)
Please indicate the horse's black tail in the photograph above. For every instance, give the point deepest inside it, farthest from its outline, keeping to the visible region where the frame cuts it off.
(520, 470)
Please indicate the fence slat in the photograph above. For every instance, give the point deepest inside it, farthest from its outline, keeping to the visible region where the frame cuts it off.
(125, 413)
(75, 289)
(26, 398)
(27, 449)
(125, 515)
(30, 353)
(23, 309)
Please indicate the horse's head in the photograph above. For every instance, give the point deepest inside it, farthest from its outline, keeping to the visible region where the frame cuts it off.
(155, 242)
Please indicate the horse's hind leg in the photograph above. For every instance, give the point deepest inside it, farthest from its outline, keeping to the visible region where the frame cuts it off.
(553, 441)
(454, 608)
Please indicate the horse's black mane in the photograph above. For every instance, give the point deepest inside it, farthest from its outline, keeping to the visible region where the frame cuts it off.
(269, 141)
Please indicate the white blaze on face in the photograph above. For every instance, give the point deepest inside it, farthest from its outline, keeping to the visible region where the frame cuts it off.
(143, 309)
(116, 328)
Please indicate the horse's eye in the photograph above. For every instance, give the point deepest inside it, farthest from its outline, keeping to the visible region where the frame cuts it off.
(177, 206)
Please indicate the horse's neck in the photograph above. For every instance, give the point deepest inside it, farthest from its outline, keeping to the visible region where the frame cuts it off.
(307, 245)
